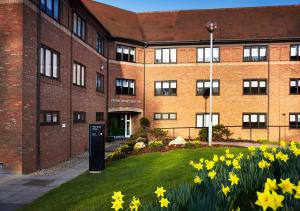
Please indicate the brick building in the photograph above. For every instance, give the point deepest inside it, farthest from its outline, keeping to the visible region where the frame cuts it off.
(66, 64)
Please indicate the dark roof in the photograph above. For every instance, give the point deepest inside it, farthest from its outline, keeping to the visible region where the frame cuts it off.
(252, 23)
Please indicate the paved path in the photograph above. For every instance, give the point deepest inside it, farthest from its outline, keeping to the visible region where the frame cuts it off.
(19, 190)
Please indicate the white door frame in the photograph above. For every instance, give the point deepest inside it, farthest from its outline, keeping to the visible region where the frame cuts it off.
(128, 119)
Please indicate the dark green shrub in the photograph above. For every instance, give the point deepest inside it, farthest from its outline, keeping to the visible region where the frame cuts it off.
(144, 122)
(142, 132)
(220, 132)
(192, 144)
(158, 134)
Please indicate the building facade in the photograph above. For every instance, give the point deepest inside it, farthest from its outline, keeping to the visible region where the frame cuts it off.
(66, 64)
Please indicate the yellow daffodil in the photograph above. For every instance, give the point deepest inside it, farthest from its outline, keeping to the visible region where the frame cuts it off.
(281, 156)
(251, 148)
(160, 191)
(263, 148)
(210, 165)
(235, 164)
(201, 160)
(269, 156)
(212, 174)
(297, 189)
(227, 151)
(198, 166)
(271, 185)
(216, 158)
(282, 143)
(118, 196)
(240, 156)
(286, 186)
(197, 180)
(225, 190)
(264, 199)
(228, 162)
(274, 149)
(134, 205)
(233, 178)
(222, 158)
(263, 164)
(164, 202)
(191, 163)
(276, 201)
(117, 205)
(229, 156)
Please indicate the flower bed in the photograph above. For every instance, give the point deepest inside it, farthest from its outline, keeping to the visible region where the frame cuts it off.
(266, 179)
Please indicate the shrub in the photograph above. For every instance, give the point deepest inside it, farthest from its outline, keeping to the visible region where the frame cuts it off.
(155, 144)
(142, 132)
(144, 122)
(192, 144)
(220, 132)
(157, 134)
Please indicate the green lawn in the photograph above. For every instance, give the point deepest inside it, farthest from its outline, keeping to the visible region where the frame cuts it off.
(135, 175)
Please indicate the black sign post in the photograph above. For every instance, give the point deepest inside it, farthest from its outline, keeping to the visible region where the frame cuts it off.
(96, 148)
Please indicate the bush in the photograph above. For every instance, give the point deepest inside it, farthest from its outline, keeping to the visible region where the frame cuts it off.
(155, 144)
(192, 144)
(220, 132)
(157, 134)
(144, 122)
(142, 132)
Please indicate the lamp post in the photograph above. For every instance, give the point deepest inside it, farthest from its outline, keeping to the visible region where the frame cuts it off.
(210, 26)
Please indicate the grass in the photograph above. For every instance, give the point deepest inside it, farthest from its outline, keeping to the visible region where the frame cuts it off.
(135, 175)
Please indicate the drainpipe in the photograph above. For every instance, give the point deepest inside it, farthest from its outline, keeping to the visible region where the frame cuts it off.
(71, 86)
(268, 131)
(38, 92)
(107, 87)
(144, 106)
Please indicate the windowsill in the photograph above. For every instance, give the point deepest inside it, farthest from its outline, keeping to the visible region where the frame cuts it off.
(49, 124)
(256, 61)
(293, 128)
(255, 94)
(165, 95)
(254, 128)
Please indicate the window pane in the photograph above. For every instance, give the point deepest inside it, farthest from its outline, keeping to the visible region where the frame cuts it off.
(173, 116)
(245, 118)
(78, 26)
(294, 51)
(74, 73)
(82, 76)
(49, 7)
(173, 55)
(207, 84)
(215, 54)
(215, 119)
(42, 61)
(262, 84)
(200, 84)
(246, 54)
(165, 116)
(216, 84)
(157, 116)
(206, 120)
(158, 55)
(78, 75)
(293, 118)
(207, 54)
(166, 55)
(293, 83)
(199, 120)
(48, 118)
(125, 54)
(82, 35)
(54, 118)
(55, 65)
(254, 83)
(253, 117)
(173, 84)
(56, 9)
(200, 55)
(262, 118)
(263, 53)
(48, 63)
(75, 23)
(166, 84)
(254, 52)
(246, 84)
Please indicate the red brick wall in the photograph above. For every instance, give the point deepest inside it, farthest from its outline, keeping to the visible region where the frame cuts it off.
(11, 105)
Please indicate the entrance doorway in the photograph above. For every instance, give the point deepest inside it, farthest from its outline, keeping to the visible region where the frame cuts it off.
(119, 125)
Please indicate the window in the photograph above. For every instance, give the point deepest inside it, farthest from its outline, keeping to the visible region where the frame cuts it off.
(255, 53)
(295, 120)
(204, 85)
(50, 7)
(125, 53)
(100, 44)
(254, 120)
(254, 87)
(203, 54)
(202, 119)
(295, 52)
(99, 116)
(295, 86)
(99, 82)
(79, 26)
(165, 88)
(49, 63)
(49, 117)
(78, 74)
(78, 116)
(166, 55)
(165, 116)
(125, 87)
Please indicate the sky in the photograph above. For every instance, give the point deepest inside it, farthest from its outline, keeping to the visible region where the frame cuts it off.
(158, 5)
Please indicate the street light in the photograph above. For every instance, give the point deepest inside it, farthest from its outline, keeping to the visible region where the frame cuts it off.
(210, 26)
